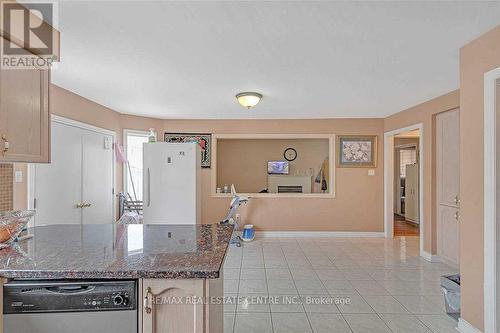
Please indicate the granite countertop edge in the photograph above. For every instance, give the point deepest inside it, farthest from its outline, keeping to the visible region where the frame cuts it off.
(49, 275)
(101, 252)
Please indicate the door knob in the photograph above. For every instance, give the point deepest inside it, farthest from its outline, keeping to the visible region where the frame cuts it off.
(456, 200)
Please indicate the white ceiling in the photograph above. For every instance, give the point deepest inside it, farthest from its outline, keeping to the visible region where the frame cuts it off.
(308, 59)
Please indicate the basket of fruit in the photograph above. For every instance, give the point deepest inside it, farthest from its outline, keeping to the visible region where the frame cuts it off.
(11, 225)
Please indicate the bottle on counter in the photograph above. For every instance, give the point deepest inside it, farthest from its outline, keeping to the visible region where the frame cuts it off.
(152, 135)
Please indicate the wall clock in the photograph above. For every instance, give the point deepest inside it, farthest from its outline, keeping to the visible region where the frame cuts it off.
(290, 154)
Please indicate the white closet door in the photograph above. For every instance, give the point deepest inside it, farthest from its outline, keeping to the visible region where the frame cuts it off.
(448, 182)
(97, 178)
(57, 186)
(411, 193)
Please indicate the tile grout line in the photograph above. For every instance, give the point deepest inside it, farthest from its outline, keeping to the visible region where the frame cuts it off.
(293, 281)
(342, 314)
(307, 316)
(238, 291)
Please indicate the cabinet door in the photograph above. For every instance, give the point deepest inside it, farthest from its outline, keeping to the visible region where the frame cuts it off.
(448, 184)
(448, 157)
(169, 306)
(24, 115)
(448, 233)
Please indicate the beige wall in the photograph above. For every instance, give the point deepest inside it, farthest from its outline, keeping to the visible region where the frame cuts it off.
(67, 104)
(21, 188)
(243, 162)
(342, 213)
(476, 58)
(353, 185)
(425, 113)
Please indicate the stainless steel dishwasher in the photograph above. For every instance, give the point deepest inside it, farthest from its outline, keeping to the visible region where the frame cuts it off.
(69, 306)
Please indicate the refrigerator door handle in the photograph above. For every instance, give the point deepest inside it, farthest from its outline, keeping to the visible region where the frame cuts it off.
(149, 188)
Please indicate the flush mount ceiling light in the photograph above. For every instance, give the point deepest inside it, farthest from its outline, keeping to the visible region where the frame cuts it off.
(248, 99)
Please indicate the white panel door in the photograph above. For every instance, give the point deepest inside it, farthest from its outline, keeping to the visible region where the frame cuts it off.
(81, 172)
(58, 185)
(411, 193)
(448, 184)
(97, 178)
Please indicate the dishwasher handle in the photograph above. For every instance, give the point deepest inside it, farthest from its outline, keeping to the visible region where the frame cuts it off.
(72, 290)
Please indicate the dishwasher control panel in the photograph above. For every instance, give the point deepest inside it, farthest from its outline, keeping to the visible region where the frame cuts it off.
(69, 296)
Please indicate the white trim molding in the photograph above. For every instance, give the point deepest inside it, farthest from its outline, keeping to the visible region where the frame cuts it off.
(79, 124)
(389, 181)
(318, 234)
(331, 165)
(126, 132)
(491, 273)
(465, 327)
(430, 257)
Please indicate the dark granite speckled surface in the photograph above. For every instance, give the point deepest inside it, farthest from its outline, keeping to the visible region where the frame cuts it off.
(112, 251)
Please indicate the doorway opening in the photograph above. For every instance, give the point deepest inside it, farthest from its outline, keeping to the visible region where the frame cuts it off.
(403, 183)
(406, 184)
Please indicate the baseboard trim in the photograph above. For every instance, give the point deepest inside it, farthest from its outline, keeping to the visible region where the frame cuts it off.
(430, 257)
(465, 327)
(318, 234)
(435, 258)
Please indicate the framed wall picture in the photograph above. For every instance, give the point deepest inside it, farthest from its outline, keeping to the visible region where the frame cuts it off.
(204, 139)
(357, 151)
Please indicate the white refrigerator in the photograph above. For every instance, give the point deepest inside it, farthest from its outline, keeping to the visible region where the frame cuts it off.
(171, 183)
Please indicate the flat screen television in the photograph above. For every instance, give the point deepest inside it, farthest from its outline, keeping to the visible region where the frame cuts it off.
(277, 167)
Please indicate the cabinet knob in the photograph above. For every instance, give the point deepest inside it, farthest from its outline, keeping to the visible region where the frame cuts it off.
(456, 200)
(457, 216)
(6, 145)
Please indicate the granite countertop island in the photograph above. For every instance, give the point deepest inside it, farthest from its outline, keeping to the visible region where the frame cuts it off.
(118, 251)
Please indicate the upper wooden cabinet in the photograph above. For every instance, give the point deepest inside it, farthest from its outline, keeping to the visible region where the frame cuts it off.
(24, 115)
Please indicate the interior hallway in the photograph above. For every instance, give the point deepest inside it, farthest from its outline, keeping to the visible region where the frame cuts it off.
(404, 228)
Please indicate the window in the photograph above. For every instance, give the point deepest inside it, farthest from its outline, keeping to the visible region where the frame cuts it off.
(133, 171)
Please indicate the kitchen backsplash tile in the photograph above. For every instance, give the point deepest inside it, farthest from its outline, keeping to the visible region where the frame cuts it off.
(6, 187)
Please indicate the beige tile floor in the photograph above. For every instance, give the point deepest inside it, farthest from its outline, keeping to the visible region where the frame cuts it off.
(334, 285)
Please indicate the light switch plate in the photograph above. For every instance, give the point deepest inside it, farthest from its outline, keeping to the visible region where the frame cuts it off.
(18, 176)
(371, 172)
(107, 143)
